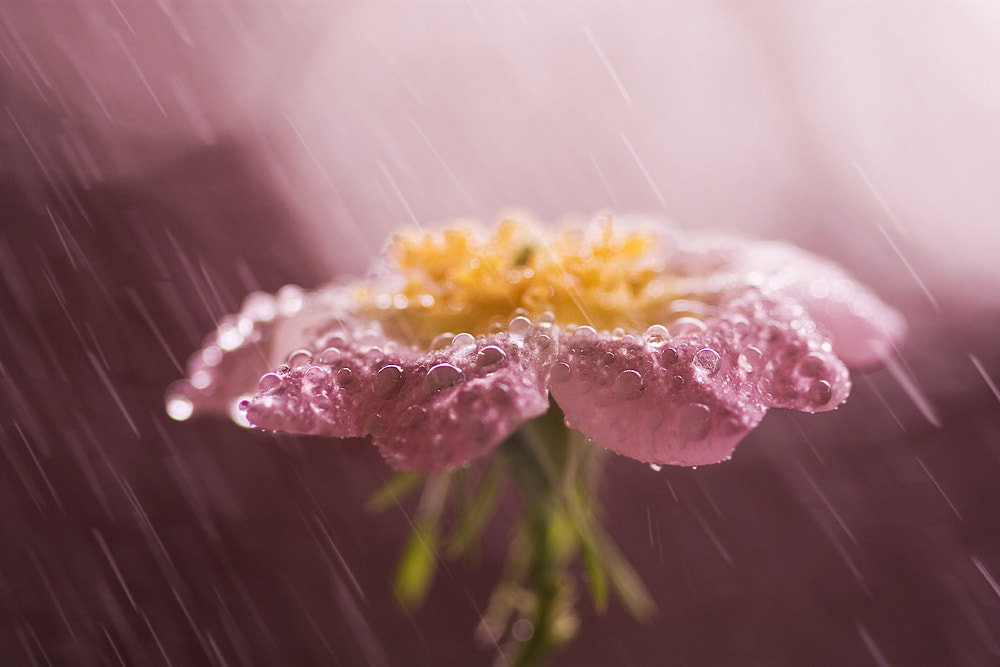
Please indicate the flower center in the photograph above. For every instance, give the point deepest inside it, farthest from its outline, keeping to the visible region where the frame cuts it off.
(461, 281)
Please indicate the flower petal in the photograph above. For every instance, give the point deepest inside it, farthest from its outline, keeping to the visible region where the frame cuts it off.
(688, 398)
(425, 410)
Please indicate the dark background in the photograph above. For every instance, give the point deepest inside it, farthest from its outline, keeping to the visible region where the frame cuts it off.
(158, 164)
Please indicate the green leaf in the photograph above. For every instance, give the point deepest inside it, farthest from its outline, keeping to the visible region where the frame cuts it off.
(477, 513)
(417, 564)
(597, 580)
(393, 491)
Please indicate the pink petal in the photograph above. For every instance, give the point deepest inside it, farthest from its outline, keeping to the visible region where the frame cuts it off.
(689, 398)
(425, 410)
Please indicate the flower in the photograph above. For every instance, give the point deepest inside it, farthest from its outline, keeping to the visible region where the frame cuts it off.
(661, 345)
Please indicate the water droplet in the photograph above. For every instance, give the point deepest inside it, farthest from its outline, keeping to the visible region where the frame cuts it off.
(463, 340)
(300, 358)
(629, 385)
(330, 355)
(269, 382)
(490, 357)
(560, 372)
(282, 369)
(669, 356)
(229, 336)
(345, 376)
(444, 376)
(657, 335)
(442, 342)
(812, 366)
(543, 341)
(708, 359)
(201, 379)
(655, 467)
(583, 338)
(237, 409)
(388, 381)
(751, 359)
(694, 421)
(820, 392)
(688, 325)
(500, 394)
(519, 327)
(608, 358)
(677, 382)
(179, 408)
(413, 416)
(548, 317)
(316, 373)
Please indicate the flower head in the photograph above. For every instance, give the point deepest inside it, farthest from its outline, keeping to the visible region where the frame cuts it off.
(664, 346)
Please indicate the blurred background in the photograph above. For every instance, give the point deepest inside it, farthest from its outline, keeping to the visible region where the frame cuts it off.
(160, 160)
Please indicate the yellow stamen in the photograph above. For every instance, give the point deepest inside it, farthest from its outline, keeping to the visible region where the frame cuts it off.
(461, 281)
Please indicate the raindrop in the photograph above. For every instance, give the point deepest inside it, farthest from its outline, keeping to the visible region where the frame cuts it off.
(444, 376)
(708, 359)
(657, 335)
(812, 366)
(330, 355)
(519, 327)
(560, 372)
(820, 392)
(629, 385)
(750, 359)
(300, 358)
(269, 382)
(490, 357)
(694, 421)
(345, 376)
(463, 340)
(442, 341)
(388, 381)
(583, 338)
(179, 408)
(689, 325)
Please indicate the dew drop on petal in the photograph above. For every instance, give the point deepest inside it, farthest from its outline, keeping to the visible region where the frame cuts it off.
(179, 408)
(694, 421)
(708, 359)
(388, 381)
(688, 325)
(629, 385)
(462, 341)
(236, 409)
(345, 376)
(490, 357)
(669, 356)
(300, 358)
(269, 382)
(583, 338)
(608, 358)
(442, 341)
(330, 355)
(444, 376)
(820, 392)
(519, 327)
(677, 382)
(812, 366)
(750, 359)
(561, 372)
(283, 369)
(657, 335)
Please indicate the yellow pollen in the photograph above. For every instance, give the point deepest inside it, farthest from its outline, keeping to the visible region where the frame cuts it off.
(464, 281)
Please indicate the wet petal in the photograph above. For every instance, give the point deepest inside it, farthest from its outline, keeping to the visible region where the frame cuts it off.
(425, 410)
(687, 396)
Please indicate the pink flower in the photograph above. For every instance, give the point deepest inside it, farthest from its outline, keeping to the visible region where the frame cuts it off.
(664, 346)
